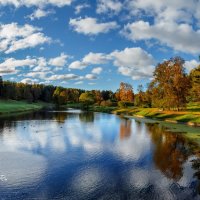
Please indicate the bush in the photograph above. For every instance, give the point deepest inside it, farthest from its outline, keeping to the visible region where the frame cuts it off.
(114, 104)
(122, 104)
(125, 104)
(106, 103)
(129, 104)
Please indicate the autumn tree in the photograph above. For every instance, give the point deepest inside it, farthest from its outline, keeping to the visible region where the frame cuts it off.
(75, 94)
(170, 85)
(117, 95)
(97, 96)
(63, 97)
(126, 92)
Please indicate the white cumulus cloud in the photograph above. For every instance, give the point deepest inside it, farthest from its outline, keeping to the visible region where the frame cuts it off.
(36, 65)
(97, 70)
(59, 61)
(89, 59)
(38, 3)
(80, 7)
(95, 58)
(29, 80)
(191, 64)
(14, 37)
(107, 6)
(39, 13)
(134, 62)
(63, 77)
(91, 26)
(90, 77)
(180, 37)
(77, 65)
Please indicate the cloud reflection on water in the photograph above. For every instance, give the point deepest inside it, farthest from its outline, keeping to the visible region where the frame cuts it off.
(99, 145)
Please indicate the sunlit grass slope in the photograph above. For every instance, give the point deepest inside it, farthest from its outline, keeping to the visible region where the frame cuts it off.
(190, 115)
(11, 106)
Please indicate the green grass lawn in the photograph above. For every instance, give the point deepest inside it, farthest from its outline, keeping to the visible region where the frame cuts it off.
(11, 106)
(190, 115)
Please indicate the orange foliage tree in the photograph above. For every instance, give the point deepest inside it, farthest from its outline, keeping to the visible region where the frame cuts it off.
(126, 92)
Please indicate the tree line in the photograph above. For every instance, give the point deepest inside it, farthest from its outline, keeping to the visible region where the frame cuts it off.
(49, 93)
(170, 88)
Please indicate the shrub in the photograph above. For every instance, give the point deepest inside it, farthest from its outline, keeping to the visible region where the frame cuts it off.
(122, 104)
(125, 104)
(106, 103)
(129, 104)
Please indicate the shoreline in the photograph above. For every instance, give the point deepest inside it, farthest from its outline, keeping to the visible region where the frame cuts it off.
(12, 107)
(191, 119)
(189, 129)
(188, 117)
(191, 132)
(191, 124)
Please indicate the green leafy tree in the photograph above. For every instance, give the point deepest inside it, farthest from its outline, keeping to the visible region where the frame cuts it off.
(36, 92)
(87, 98)
(195, 83)
(56, 95)
(1, 86)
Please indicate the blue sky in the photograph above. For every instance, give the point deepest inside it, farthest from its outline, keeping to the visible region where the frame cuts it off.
(95, 44)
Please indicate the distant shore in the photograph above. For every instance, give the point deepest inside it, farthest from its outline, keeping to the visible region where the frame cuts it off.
(191, 116)
(10, 107)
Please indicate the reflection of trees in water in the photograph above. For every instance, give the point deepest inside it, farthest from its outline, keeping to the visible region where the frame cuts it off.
(38, 115)
(170, 151)
(2, 125)
(196, 167)
(7, 124)
(138, 125)
(125, 128)
(60, 117)
(86, 117)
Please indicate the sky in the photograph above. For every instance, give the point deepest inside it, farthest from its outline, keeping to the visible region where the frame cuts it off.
(95, 44)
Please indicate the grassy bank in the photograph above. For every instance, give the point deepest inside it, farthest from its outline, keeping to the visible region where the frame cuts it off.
(191, 115)
(168, 119)
(11, 106)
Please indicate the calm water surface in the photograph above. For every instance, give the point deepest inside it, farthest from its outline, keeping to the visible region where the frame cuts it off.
(75, 155)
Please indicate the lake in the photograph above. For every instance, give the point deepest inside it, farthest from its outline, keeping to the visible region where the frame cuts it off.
(83, 155)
